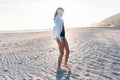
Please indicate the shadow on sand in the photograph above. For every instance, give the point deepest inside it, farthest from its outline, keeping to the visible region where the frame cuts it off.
(60, 75)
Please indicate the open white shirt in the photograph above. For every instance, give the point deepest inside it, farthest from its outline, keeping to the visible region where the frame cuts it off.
(57, 29)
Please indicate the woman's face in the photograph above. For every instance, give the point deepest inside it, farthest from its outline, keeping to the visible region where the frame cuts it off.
(60, 12)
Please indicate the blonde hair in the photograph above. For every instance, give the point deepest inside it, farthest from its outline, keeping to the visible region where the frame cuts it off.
(56, 11)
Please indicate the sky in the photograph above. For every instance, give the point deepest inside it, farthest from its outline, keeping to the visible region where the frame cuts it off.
(38, 14)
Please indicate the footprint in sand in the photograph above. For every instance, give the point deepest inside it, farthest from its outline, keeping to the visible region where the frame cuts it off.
(34, 77)
(5, 70)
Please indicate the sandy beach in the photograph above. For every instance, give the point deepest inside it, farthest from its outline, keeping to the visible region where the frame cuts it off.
(94, 55)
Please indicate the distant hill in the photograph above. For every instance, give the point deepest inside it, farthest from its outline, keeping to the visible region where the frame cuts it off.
(112, 21)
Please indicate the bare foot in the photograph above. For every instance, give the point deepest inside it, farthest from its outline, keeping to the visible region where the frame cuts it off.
(67, 68)
(60, 69)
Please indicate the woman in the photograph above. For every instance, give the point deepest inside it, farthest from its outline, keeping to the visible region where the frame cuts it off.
(59, 36)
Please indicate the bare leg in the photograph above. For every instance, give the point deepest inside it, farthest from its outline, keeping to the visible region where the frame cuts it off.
(61, 50)
(67, 54)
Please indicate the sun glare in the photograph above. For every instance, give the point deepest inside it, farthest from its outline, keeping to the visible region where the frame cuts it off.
(38, 14)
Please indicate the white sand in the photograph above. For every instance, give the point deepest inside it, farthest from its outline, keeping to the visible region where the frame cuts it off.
(95, 55)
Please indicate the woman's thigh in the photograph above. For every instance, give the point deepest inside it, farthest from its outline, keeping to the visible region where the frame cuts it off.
(60, 44)
(66, 46)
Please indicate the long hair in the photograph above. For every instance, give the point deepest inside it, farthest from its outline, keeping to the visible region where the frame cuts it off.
(57, 13)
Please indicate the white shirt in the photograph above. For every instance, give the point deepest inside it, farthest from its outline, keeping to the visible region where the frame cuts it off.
(57, 29)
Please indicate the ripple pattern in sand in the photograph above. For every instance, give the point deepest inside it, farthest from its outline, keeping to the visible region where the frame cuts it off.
(95, 55)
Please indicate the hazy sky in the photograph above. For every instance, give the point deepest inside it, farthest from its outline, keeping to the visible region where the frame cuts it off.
(38, 14)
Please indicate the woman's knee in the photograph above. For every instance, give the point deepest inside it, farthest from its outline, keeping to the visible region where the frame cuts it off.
(67, 51)
(61, 54)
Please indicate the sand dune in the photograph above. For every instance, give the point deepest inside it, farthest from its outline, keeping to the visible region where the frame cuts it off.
(94, 55)
(112, 21)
